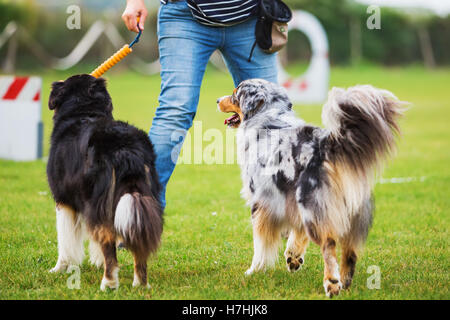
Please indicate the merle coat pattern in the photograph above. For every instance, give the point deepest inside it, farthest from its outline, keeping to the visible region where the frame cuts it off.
(315, 183)
(102, 177)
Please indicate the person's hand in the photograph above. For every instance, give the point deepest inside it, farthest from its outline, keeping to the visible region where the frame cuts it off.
(134, 9)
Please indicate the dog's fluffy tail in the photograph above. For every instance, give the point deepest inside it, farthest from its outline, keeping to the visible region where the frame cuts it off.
(138, 220)
(363, 124)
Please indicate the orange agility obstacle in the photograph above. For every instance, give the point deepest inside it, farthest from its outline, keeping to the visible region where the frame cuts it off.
(116, 57)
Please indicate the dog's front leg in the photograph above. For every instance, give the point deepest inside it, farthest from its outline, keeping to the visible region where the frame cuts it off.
(331, 280)
(296, 248)
(70, 238)
(266, 240)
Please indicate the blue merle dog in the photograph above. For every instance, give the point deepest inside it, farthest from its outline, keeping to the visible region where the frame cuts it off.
(316, 184)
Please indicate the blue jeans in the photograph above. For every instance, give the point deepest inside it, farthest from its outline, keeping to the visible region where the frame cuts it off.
(185, 47)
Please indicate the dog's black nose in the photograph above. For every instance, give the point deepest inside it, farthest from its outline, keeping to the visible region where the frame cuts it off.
(218, 100)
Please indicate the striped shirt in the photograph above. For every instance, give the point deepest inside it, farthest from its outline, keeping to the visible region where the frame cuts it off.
(221, 13)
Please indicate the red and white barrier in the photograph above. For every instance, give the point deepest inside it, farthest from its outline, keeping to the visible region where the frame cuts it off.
(21, 129)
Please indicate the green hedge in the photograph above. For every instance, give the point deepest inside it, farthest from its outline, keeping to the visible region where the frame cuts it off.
(395, 43)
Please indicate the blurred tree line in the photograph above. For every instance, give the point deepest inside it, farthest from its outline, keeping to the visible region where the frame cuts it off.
(43, 33)
(401, 39)
(405, 36)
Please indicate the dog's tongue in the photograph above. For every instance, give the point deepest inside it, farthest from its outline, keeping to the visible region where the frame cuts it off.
(230, 119)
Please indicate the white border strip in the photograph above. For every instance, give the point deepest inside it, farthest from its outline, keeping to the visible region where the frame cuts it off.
(401, 180)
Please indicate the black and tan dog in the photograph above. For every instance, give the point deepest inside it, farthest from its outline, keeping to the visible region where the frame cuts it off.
(102, 176)
(316, 183)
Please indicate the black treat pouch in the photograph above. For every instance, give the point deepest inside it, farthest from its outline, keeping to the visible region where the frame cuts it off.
(271, 31)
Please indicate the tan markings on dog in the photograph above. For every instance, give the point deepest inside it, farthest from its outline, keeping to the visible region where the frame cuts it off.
(140, 271)
(298, 239)
(313, 232)
(103, 234)
(266, 226)
(225, 105)
(296, 248)
(67, 208)
(355, 185)
(266, 240)
(119, 240)
(331, 278)
(347, 191)
(348, 265)
(301, 240)
(107, 240)
(109, 251)
(111, 267)
(292, 211)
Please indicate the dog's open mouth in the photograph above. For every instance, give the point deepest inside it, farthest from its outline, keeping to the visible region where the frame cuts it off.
(226, 105)
(233, 121)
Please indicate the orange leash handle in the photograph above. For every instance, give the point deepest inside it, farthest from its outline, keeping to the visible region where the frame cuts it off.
(116, 57)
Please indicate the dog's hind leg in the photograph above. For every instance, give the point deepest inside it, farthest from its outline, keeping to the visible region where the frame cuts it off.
(331, 278)
(107, 241)
(348, 263)
(353, 241)
(70, 238)
(138, 221)
(95, 253)
(296, 248)
(140, 270)
(111, 267)
(266, 240)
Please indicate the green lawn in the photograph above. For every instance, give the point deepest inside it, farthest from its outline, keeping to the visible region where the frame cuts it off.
(204, 256)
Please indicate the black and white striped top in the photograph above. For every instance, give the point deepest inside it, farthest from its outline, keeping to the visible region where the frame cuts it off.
(221, 13)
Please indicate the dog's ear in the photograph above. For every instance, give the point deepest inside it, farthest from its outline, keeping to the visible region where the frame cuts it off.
(56, 95)
(97, 88)
(252, 101)
(99, 95)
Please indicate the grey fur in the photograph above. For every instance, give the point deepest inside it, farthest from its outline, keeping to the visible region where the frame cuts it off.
(330, 171)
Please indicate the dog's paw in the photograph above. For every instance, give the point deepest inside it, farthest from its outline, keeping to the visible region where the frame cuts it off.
(146, 286)
(332, 287)
(111, 284)
(346, 282)
(293, 262)
(60, 267)
(249, 272)
(139, 284)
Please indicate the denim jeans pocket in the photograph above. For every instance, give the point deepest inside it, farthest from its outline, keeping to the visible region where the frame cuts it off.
(179, 4)
(177, 9)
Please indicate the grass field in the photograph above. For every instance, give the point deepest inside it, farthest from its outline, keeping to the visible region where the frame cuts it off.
(204, 255)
